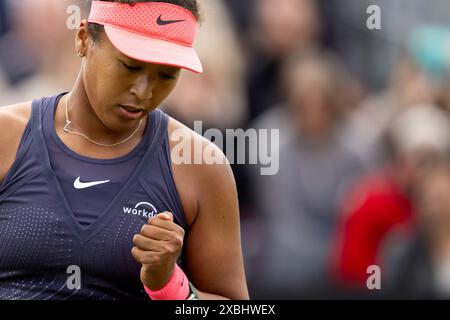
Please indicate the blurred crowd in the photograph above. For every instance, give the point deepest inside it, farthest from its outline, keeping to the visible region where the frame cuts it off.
(364, 171)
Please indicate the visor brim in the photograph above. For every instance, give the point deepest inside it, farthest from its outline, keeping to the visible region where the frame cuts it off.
(153, 50)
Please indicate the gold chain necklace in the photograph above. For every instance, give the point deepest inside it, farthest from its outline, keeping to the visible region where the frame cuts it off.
(69, 130)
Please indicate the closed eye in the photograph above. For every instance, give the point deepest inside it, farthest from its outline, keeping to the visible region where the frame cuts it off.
(130, 68)
(166, 76)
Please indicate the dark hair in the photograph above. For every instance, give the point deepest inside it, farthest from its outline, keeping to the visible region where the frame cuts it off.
(95, 29)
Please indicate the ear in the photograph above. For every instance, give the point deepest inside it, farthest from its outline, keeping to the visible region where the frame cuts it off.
(83, 40)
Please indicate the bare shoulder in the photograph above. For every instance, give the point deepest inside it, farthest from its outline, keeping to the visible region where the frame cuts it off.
(200, 168)
(13, 120)
(191, 151)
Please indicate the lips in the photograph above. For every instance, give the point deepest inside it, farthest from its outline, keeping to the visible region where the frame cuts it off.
(132, 109)
(130, 113)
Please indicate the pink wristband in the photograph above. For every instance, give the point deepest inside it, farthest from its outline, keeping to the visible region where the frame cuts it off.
(177, 288)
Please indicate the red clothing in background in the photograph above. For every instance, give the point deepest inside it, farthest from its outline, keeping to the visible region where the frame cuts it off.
(375, 207)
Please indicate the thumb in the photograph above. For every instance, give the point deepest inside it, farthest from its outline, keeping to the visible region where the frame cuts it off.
(166, 216)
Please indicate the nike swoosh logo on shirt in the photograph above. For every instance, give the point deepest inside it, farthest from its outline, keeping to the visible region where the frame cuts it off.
(83, 185)
(162, 22)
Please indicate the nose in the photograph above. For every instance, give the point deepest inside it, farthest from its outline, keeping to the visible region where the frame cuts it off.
(143, 87)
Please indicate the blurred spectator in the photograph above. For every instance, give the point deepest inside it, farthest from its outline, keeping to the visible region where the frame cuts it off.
(299, 204)
(16, 63)
(278, 28)
(39, 41)
(241, 13)
(217, 96)
(368, 123)
(423, 267)
(382, 202)
(429, 46)
(421, 76)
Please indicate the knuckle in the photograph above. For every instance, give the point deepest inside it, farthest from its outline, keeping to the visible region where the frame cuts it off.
(178, 242)
(136, 254)
(170, 249)
(148, 231)
(144, 229)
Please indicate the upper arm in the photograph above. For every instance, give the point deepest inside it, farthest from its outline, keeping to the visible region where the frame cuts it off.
(213, 247)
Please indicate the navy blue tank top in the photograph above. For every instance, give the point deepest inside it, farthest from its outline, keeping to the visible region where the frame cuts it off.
(82, 178)
(44, 231)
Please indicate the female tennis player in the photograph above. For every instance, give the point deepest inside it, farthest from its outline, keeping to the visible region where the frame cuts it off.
(92, 203)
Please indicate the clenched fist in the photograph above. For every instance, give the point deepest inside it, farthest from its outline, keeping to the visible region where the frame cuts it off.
(157, 248)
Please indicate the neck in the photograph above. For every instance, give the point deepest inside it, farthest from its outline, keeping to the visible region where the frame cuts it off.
(84, 119)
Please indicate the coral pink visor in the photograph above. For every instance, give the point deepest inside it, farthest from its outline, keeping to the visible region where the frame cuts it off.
(154, 32)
